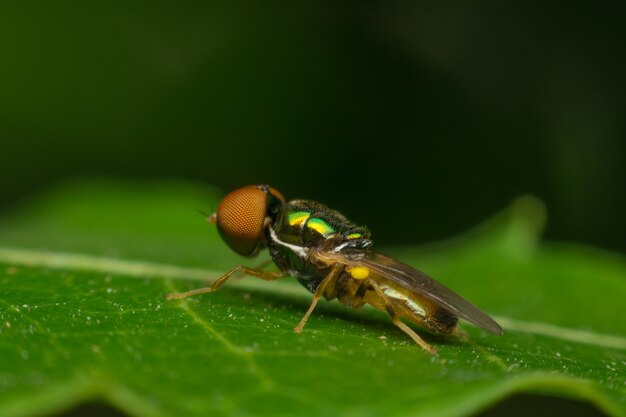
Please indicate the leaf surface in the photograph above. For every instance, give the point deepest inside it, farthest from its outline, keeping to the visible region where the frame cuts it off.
(85, 267)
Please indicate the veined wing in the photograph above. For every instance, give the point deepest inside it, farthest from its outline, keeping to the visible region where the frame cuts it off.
(416, 281)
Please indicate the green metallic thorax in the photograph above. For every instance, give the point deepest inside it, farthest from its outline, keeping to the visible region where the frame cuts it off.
(309, 224)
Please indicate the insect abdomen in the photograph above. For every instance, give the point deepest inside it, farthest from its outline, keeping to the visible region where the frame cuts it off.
(422, 311)
(442, 320)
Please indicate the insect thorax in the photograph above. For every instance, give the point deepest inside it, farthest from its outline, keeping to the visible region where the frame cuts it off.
(301, 225)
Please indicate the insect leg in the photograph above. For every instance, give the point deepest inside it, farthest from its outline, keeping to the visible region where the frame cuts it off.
(264, 275)
(398, 323)
(330, 279)
(359, 295)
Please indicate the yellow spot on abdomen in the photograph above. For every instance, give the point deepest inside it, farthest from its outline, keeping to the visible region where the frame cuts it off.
(358, 272)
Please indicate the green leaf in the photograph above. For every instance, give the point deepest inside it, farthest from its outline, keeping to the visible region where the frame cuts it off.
(84, 270)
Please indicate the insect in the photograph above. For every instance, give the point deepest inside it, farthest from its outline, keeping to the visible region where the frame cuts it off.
(331, 257)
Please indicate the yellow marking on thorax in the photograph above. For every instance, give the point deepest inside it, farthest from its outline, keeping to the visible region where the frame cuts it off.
(320, 226)
(298, 218)
(358, 272)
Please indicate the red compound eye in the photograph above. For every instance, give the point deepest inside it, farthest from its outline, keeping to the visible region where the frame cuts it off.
(240, 218)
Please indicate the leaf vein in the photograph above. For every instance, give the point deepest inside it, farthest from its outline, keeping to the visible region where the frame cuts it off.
(247, 356)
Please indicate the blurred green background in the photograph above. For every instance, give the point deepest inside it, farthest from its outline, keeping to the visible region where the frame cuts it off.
(417, 119)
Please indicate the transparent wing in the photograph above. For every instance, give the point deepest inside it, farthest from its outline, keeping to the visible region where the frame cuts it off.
(415, 281)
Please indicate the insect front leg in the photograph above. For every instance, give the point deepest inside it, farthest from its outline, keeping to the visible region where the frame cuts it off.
(264, 275)
(396, 320)
(328, 282)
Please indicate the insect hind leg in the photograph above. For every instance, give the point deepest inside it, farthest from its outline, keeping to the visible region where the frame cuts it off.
(406, 329)
(399, 324)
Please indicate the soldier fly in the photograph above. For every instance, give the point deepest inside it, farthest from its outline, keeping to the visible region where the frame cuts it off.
(331, 257)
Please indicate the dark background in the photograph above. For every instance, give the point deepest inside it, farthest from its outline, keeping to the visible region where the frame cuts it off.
(417, 119)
